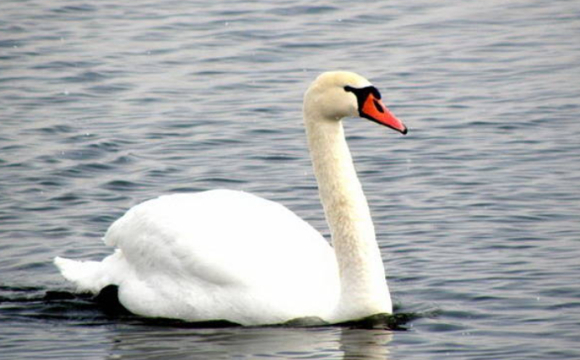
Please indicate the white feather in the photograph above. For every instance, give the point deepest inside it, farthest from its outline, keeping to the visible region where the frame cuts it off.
(230, 255)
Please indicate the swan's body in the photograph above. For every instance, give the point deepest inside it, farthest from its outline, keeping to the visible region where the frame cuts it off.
(229, 255)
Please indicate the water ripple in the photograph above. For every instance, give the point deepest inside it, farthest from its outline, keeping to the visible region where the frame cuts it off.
(106, 104)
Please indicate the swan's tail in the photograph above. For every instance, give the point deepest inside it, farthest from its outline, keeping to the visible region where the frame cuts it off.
(88, 276)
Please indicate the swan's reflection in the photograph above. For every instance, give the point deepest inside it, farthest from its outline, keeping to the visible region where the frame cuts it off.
(248, 343)
(365, 344)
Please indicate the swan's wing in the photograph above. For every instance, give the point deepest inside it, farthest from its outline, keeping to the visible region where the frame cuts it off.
(222, 255)
(221, 237)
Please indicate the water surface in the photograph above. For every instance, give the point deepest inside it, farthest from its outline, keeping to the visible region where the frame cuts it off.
(106, 104)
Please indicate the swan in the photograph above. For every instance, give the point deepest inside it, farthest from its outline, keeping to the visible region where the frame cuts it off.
(230, 255)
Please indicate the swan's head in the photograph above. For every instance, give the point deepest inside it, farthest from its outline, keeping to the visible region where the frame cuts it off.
(339, 94)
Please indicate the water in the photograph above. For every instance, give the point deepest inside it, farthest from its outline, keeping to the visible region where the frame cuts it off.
(106, 104)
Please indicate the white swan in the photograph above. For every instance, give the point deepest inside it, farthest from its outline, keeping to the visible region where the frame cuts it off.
(229, 255)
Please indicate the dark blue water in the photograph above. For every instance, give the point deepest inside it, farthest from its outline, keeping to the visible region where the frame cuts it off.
(105, 104)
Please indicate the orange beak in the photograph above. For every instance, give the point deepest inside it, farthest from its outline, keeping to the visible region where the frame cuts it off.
(374, 109)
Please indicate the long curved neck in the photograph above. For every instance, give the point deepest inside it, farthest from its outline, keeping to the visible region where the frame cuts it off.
(364, 289)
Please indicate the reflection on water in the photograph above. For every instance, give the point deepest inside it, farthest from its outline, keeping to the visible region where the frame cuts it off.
(326, 342)
(365, 344)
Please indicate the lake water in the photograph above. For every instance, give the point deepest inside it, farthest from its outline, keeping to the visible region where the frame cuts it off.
(105, 104)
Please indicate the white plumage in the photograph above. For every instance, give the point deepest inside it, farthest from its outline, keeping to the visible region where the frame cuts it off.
(229, 255)
(189, 256)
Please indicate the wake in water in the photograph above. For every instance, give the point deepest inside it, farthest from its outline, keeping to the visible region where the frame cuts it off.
(36, 303)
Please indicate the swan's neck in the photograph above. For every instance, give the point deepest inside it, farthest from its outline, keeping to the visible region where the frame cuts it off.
(364, 289)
